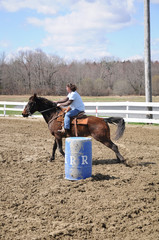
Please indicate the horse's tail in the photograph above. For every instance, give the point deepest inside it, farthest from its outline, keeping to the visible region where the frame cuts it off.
(120, 125)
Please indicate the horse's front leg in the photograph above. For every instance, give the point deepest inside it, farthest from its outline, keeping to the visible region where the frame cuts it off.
(59, 144)
(53, 151)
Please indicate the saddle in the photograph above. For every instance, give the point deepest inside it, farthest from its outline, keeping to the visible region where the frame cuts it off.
(80, 119)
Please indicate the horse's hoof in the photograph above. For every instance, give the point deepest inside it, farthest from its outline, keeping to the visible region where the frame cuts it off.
(122, 160)
(118, 160)
(51, 160)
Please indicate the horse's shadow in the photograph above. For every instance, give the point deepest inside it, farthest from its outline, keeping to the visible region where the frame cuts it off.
(145, 164)
(101, 177)
(105, 161)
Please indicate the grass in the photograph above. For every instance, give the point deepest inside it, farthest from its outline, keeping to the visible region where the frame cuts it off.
(24, 98)
(11, 113)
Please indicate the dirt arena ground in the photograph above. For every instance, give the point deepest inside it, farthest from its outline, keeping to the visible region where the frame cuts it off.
(116, 203)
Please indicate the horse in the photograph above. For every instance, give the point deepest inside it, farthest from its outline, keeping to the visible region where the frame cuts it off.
(96, 127)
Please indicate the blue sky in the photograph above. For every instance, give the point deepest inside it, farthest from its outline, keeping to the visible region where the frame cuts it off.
(78, 29)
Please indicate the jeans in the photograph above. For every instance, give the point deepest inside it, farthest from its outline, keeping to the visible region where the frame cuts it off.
(68, 115)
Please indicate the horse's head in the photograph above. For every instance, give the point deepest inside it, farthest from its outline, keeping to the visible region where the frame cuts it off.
(40, 104)
(31, 106)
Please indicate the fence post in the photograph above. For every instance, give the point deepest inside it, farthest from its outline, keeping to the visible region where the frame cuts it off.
(4, 111)
(127, 109)
(96, 110)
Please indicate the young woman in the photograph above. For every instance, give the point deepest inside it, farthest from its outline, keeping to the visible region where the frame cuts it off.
(75, 103)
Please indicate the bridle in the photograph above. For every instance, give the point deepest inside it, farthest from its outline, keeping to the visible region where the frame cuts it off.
(46, 110)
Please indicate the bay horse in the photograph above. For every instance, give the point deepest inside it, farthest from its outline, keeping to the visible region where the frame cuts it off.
(96, 127)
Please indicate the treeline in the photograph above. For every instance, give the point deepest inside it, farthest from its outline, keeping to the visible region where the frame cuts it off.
(35, 71)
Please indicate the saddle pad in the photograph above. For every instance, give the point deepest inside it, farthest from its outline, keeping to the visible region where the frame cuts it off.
(60, 119)
(82, 121)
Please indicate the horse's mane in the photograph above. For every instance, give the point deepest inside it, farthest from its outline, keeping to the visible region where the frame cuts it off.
(41, 101)
(45, 101)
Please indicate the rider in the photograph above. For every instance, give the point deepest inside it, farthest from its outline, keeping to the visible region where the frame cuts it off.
(75, 103)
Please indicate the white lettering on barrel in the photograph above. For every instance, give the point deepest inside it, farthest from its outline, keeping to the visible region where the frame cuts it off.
(84, 160)
(73, 160)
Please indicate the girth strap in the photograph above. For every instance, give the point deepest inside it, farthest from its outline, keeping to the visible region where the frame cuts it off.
(76, 131)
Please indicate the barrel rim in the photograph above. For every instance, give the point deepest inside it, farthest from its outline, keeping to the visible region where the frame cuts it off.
(79, 138)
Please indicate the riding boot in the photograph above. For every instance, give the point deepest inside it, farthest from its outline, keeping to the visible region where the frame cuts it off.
(64, 131)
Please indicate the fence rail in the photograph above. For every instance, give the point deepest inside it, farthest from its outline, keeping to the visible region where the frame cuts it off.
(131, 111)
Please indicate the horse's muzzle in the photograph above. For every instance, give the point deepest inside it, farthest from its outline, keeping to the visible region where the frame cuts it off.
(25, 114)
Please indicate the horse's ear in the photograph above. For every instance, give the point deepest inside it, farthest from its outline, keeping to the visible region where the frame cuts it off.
(35, 95)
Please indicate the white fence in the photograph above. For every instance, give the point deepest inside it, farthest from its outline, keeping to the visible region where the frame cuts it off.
(130, 111)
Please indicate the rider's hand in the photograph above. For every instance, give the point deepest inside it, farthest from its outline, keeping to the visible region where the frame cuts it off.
(68, 109)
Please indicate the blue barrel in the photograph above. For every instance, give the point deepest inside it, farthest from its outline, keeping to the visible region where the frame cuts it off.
(78, 158)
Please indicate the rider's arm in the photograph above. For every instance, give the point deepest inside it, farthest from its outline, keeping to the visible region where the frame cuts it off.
(67, 103)
(63, 100)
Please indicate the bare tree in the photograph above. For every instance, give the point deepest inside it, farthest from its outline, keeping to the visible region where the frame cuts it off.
(35, 71)
(2, 63)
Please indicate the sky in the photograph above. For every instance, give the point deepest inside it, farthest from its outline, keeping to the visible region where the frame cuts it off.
(78, 29)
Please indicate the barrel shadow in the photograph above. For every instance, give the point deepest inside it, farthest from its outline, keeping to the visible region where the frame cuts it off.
(101, 177)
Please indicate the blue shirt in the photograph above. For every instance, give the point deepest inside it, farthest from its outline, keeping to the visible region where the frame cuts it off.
(77, 101)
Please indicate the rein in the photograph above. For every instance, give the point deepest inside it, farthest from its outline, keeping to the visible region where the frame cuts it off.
(46, 110)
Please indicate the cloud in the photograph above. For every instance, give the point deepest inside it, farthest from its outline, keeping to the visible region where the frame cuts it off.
(4, 43)
(76, 27)
(41, 6)
(151, 1)
(134, 58)
(155, 42)
(24, 49)
(155, 1)
(85, 26)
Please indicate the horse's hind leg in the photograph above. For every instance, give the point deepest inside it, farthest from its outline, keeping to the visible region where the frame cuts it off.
(114, 147)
